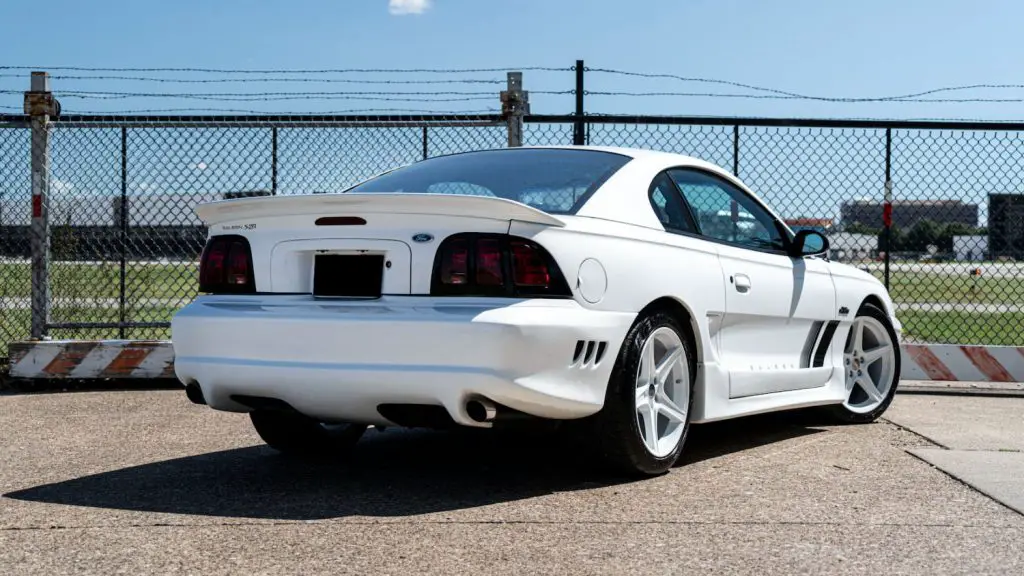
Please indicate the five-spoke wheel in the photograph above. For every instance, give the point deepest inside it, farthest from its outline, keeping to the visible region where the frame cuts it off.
(643, 425)
(662, 391)
(871, 364)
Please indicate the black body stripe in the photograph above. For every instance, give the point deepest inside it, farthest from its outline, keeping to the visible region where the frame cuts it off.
(826, 340)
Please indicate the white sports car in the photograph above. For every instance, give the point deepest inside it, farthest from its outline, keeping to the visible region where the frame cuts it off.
(632, 292)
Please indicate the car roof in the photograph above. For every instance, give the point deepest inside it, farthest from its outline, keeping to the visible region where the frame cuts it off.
(624, 151)
(617, 198)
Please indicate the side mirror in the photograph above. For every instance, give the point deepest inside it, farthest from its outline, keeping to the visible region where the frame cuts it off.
(809, 243)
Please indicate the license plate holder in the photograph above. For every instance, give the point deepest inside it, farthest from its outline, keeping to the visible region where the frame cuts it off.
(348, 275)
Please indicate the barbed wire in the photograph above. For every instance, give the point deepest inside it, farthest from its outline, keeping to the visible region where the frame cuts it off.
(300, 71)
(795, 95)
(765, 92)
(275, 113)
(781, 97)
(492, 81)
(106, 94)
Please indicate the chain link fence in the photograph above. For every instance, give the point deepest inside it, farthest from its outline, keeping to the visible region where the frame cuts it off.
(124, 239)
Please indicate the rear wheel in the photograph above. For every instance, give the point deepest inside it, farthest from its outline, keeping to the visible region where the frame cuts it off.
(871, 364)
(295, 434)
(644, 423)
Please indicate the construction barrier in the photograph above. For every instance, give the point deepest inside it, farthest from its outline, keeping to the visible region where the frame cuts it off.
(950, 362)
(88, 359)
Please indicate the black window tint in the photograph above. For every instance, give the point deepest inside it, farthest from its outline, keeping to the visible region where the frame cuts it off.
(555, 180)
(726, 213)
(668, 205)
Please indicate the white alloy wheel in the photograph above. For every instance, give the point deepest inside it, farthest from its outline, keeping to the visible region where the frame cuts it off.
(870, 362)
(662, 392)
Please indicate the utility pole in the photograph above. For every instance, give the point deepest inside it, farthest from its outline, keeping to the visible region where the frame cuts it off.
(40, 104)
(515, 104)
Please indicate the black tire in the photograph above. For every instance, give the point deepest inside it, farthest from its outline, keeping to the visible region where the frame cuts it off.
(294, 434)
(615, 429)
(844, 415)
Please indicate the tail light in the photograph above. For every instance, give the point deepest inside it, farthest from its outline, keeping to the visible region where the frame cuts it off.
(474, 264)
(225, 266)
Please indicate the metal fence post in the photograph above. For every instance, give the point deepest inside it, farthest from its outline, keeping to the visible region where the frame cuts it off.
(736, 150)
(515, 103)
(123, 223)
(40, 104)
(887, 205)
(273, 161)
(579, 137)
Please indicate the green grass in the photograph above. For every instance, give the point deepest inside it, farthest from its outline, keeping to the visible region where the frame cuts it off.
(15, 324)
(917, 287)
(71, 280)
(993, 329)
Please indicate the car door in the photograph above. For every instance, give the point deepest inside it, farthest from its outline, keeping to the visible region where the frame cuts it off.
(779, 310)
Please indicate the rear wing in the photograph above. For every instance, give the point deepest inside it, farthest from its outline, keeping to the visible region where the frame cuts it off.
(357, 204)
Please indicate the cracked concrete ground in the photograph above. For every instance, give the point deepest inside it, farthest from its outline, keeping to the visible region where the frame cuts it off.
(144, 482)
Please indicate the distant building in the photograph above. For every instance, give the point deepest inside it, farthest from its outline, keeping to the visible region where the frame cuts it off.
(822, 225)
(88, 227)
(970, 248)
(1006, 225)
(162, 209)
(906, 213)
(844, 246)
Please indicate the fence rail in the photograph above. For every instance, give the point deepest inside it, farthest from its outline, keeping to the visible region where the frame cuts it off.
(98, 237)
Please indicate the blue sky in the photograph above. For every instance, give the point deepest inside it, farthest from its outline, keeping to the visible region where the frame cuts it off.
(864, 48)
(823, 48)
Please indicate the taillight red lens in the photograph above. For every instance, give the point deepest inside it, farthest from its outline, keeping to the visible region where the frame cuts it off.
(455, 263)
(495, 265)
(488, 262)
(226, 266)
(238, 264)
(529, 267)
(211, 267)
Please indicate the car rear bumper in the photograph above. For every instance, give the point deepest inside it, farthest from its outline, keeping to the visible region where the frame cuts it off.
(340, 360)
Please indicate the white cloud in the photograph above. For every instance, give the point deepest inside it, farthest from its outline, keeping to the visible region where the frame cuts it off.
(201, 166)
(403, 7)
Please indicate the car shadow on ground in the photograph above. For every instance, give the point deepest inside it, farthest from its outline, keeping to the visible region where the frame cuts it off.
(390, 473)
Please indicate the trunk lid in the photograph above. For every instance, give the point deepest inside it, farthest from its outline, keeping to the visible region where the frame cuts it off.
(289, 234)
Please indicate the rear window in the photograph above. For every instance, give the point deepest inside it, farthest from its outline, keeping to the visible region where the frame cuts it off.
(557, 181)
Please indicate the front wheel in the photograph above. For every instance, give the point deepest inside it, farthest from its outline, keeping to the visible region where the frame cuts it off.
(871, 365)
(644, 423)
(294, 434)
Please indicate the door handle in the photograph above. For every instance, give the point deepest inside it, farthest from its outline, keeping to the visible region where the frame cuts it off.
(742, 283)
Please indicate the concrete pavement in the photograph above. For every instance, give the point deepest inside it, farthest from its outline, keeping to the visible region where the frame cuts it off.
(144, 482)
(980, 442)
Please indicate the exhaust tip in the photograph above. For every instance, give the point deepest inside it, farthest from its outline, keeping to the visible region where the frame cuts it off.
(195, 393)
(481, 410)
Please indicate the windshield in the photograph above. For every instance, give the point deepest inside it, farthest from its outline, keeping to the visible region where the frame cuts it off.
(557, 181)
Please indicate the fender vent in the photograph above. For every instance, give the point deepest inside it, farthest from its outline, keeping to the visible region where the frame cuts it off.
(588, 353)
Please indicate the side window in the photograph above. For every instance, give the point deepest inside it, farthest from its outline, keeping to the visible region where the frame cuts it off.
(726, 213)
(668, 206)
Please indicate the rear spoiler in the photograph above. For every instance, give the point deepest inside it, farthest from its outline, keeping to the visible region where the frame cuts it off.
(356, 204)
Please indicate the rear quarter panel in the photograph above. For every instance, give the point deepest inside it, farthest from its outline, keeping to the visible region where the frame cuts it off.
(641, 265)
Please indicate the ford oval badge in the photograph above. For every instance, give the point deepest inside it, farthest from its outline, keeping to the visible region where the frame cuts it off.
(422, 237)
